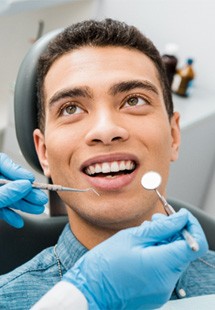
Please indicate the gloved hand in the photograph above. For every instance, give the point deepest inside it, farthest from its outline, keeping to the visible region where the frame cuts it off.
(138, 268)
(19, 194)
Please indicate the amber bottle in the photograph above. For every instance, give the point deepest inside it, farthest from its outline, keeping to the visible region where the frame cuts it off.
(183, 79)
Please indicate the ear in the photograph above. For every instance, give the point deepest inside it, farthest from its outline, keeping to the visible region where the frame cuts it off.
(176, 136)
(40, 145)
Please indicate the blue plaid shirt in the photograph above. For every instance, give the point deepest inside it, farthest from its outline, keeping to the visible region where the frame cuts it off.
(23, 287)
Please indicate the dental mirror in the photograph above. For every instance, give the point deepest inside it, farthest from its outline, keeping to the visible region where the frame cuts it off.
(151, 180)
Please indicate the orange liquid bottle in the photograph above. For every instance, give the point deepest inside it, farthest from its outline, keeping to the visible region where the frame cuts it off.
(183, 79)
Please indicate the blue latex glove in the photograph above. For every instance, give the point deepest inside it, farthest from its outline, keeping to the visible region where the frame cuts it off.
(138, 268)
(19, 194)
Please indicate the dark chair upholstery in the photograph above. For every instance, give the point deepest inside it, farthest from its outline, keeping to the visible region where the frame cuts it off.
(25, 100)
(20, 245)
(25, 104)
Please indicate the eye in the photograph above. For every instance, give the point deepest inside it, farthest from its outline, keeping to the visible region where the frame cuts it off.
(71, 109)
(135, 101)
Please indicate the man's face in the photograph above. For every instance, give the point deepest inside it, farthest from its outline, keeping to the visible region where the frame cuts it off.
(106, 125)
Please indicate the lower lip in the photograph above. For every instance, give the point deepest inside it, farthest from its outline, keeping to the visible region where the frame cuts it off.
(112, 183)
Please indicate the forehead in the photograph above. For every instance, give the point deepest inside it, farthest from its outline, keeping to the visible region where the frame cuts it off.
(99, 66)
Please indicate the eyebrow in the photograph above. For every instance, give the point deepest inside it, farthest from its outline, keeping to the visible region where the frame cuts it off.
(120, 87)
(130, 85)
(71, 93)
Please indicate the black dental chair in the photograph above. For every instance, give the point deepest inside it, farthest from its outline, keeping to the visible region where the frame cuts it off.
(39, 232)
(19, 245)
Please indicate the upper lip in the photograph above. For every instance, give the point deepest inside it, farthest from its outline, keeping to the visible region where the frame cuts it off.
(108, 158)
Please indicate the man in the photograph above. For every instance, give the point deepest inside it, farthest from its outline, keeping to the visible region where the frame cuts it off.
(105, 118)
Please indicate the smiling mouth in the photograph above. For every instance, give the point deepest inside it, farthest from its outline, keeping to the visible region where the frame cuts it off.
(110, 169)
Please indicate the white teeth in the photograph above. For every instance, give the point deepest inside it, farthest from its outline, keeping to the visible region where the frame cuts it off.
(127, 165)
(114, 167)
(90, 170)
(108, 167)
(98, 168)
(122, 165)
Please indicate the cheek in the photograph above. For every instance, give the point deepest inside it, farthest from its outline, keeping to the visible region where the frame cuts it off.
(60, 148)
(164, 141)
(60, 138)
(156, 135)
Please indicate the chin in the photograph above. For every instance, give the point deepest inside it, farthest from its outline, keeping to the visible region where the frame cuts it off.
(106, 220)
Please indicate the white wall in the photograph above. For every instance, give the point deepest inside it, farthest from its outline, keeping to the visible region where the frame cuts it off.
(16, 32)
(189, 23)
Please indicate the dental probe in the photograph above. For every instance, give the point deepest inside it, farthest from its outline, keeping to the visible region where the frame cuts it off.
(151, 181)
(54, 187)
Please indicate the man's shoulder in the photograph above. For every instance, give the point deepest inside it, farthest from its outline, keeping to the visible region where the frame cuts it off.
(205, 263)
(26, 283)
(40, 262)
(204, 268)
(199, 279)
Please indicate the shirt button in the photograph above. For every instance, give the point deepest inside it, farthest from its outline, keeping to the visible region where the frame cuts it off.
(182, 292)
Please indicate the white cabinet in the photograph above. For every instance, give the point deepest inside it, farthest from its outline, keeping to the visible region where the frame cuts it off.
(191, 177)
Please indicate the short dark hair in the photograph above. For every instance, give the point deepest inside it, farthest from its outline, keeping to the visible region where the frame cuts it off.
(99, 33)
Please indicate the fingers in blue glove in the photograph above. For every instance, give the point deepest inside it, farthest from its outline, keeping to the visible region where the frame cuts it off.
(158, 216)
(21, 189)
(36, 196)
(13, 196)
(14, 191)
(11, 217)
(196, 231)
(12, 171)
(164, 227)
(27, 207)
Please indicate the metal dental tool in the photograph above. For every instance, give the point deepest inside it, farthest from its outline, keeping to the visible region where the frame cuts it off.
(151, 181)
(54, 187)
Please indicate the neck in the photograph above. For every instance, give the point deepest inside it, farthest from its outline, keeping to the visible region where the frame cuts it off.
(88, 234)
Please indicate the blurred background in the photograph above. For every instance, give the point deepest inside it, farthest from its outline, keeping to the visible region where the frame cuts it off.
(188, 24)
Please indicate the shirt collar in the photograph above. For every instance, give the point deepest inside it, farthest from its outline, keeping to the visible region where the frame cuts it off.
(69, 249)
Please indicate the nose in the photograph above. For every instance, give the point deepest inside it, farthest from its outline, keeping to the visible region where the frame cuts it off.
(106, 129)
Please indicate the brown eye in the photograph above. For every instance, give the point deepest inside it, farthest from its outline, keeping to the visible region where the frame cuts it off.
(133, 101)
(71, 109)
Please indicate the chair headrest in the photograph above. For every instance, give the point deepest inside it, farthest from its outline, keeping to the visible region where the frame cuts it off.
(25, 100)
